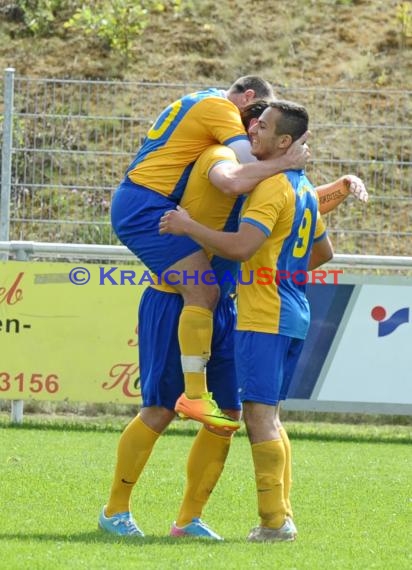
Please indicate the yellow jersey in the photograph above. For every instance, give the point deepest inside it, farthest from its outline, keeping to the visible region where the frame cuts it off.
(210, 206)
(178, 137)
(271, 292)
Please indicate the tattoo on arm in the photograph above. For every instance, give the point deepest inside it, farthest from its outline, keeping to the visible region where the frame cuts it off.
(328, 197)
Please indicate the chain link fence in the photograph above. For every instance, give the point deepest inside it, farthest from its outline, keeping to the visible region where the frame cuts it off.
(72, 141)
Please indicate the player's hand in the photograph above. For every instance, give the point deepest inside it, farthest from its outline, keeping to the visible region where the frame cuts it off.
(174, 222)
(356, 187)
(298, 153)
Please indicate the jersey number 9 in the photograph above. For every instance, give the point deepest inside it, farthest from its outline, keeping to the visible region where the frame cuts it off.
(301, 244)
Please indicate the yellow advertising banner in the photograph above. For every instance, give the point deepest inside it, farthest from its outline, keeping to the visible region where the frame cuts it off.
(68, 331)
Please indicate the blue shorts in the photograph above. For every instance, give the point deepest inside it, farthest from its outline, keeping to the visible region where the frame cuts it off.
(161, 375)
(265, 364)
(135, 215)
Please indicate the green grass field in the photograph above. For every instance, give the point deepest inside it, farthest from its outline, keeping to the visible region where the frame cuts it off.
(351, 496)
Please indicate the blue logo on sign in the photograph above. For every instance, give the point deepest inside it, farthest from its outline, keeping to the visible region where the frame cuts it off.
(388, 325)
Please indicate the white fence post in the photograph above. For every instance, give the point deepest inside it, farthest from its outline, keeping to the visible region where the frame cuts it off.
(6, 155)
(16, 415)
(16, 405)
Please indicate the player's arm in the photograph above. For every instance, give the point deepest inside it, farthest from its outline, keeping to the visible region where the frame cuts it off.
(235, 179)
(334, 193)
(322, 252)
(240, 245)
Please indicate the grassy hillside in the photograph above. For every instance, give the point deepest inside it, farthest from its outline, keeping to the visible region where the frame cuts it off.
(359, 43)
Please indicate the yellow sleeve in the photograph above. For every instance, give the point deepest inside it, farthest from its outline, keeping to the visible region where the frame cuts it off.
(215, 155)
(265, 202)
(222, 119)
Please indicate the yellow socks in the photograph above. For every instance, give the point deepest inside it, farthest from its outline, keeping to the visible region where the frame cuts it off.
(195, 338)
(287, 474)
(204, 467)
(269, 459)
(135, 446)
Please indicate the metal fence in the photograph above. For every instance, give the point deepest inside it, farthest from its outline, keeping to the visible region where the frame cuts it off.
(66, 144)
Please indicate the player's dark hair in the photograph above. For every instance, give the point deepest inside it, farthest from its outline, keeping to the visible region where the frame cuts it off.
(294, 120)
(262, 88)
(253, 111)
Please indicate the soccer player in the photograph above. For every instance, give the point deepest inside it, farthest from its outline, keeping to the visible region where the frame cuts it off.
(162, 380)
(282, 233)
(160, 367)
(154, 183)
